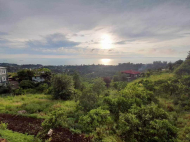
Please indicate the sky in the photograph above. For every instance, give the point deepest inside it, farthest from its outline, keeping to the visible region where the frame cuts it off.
(62, 32)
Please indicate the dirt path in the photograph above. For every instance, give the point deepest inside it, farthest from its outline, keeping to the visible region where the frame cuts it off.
(32, 126)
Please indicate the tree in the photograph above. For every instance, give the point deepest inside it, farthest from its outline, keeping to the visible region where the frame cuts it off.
(45, 73)
(99, 86)
(188, 56)
(77, 81)
(107, 80)
(63, 86)
(184, 68)
(25, 74)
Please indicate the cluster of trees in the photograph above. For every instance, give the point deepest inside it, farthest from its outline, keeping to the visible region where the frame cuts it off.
(26, 84)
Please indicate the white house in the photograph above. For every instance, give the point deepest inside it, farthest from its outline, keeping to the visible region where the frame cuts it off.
(38, 79)
(3, 76)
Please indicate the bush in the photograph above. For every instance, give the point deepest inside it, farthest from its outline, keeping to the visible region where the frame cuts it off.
(42, 87)
(5, 89)
(147, 123)
(57, 118)
(88, 100)
(18, 91)
(94, 119)
(63, 86)
(26, 84)
(3, 126)
(118, 85)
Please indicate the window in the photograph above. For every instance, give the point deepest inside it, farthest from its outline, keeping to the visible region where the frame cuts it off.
(3, 78)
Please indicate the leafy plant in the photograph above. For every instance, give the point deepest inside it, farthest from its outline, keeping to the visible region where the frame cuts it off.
(63, 86)
(3, 126)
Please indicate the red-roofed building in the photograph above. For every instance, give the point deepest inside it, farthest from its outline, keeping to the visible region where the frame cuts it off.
(131, 73)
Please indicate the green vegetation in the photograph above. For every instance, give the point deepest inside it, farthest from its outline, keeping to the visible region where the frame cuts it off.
(11, 136)
(152, 108)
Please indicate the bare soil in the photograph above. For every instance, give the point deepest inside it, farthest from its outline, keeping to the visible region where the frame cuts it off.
(32, 126)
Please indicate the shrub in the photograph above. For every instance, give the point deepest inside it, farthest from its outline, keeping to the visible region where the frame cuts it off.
(42, 87)
(94, 119)
(88, 100)
(76, 95)
(57, 118)
(26, 84)
(18, 91)
(63, 86)
(5, 89)
(118, 85)
(147, 123)
(3, 126)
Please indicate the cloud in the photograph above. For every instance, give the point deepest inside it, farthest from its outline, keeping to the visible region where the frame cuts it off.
(56, 40)
(134, 26)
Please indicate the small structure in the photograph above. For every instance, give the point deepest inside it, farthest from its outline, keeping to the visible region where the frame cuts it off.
(131, 74)
(3, 76)
(13, 83)
(38, 78)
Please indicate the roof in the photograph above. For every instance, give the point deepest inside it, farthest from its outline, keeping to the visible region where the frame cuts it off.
(2, 68)
(131, 72)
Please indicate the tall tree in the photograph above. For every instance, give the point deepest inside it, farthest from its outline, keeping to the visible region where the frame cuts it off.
(77, 80)
(184, 68)
(63, 86)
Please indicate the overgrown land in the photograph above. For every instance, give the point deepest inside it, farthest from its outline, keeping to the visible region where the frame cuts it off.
(152, 108)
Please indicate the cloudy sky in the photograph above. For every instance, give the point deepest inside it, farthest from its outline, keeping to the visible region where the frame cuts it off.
(93, 31)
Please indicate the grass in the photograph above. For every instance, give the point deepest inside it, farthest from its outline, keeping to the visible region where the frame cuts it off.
(38, 105)
(11, 136)
(154, 77)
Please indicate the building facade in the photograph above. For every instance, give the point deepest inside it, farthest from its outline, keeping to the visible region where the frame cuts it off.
(3, 76)
(38, 79)
(131, 74)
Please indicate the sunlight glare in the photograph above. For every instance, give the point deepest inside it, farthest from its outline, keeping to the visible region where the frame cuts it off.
(105, 61)
(106, 42)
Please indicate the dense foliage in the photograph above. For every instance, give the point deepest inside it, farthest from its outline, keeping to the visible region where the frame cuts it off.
(153, 108)
(63, 86)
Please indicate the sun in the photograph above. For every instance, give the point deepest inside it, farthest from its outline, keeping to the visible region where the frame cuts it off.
(106, 41)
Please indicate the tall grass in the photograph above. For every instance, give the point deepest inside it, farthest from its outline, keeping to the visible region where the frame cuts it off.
(38, 105)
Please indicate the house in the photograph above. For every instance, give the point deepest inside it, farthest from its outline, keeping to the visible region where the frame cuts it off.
(131, 74)
(3, 76)
(38, 78)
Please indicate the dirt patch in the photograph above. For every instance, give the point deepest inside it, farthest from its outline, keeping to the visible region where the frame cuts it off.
(32, 126)
(22, 124)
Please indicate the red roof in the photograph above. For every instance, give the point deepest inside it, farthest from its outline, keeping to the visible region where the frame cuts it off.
(131, 72)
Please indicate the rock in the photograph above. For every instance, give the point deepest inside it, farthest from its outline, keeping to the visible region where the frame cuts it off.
(3, 140)
(22, 112)
(50, 132)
